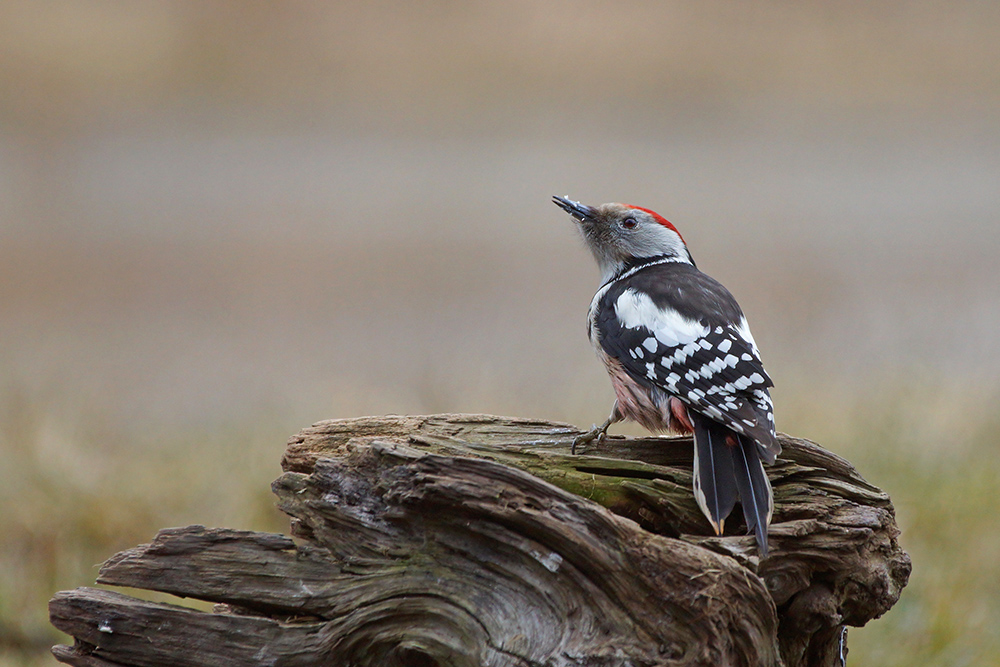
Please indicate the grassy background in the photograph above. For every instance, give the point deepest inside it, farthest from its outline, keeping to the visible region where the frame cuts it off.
(221, 222)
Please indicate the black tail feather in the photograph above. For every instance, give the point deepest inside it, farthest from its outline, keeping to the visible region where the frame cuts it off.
(754, 489)
(715, 486)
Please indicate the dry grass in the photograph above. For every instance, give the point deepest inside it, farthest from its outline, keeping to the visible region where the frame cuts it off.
(932, 447)
(72, 494)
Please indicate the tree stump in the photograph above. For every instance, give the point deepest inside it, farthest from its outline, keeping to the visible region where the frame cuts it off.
(479, 540)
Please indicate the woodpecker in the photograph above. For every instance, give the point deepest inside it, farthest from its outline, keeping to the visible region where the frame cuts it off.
(681, 358)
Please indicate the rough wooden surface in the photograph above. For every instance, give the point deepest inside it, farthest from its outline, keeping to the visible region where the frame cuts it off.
(478, 540)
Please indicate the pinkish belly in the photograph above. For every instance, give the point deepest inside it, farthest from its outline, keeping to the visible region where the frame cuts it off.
(649, 409)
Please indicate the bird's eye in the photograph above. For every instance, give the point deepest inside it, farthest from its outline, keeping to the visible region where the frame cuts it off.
(629, 223)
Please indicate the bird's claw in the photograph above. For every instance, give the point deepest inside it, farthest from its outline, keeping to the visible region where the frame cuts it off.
(596, 433)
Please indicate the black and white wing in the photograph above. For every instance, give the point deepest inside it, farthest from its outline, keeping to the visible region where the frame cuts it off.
(677, 329)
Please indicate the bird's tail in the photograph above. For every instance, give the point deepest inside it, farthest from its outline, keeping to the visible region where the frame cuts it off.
(754, 487)
(715, 487)
(727, 466)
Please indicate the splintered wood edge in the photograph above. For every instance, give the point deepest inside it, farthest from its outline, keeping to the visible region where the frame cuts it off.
(332, 438)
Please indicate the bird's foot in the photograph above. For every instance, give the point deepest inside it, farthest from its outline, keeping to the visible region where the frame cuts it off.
(596, 433)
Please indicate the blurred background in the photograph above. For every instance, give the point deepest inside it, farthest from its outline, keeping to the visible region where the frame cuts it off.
(223, 221)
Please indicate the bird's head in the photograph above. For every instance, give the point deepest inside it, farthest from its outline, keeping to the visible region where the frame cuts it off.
(621, 235)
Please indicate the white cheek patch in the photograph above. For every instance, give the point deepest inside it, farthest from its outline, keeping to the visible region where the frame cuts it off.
(651, 239)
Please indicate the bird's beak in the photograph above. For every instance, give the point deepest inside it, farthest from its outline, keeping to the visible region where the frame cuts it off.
(580, 212)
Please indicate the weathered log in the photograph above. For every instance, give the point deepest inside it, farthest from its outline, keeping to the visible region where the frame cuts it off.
(478, 540)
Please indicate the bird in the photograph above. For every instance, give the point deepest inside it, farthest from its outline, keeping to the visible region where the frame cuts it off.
(681, 358)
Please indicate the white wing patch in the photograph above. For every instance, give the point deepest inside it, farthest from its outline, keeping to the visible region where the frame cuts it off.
(634, 309)
(743, 329)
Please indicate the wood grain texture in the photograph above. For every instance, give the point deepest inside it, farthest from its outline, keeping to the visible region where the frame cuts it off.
(479, 540)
